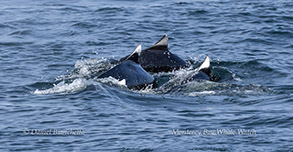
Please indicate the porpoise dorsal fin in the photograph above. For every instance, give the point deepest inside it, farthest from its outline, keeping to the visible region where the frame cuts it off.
(137, 50)
(205, 66)
(135, 54)
(162, 44)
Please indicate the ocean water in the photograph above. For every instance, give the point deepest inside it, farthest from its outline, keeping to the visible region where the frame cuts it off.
(48, 49)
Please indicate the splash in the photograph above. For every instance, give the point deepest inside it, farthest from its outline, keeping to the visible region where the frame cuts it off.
(178, 78)
(176, 82)
(201, 93)
(87, 67)
(62, 87)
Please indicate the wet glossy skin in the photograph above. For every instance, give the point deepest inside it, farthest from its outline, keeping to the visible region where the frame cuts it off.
(134, 75)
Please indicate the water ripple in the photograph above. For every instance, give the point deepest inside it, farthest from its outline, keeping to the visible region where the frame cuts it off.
(52, 51)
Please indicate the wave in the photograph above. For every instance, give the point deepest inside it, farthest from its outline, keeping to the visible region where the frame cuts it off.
(231, 79)
(110, 9)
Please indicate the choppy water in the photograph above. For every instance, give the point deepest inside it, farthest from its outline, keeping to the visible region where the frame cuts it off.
(49, 48)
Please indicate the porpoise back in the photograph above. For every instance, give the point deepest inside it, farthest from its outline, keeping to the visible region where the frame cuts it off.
(135, 76)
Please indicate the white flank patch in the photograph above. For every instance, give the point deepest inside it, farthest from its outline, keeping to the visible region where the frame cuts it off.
(112, 81)
(122, 82)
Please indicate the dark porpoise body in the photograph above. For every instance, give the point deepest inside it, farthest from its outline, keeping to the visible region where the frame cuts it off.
(133, 74)
(157, 58)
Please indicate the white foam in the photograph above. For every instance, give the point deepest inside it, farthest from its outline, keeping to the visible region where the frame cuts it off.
(62, 87)
(178, 77)
(78, 85)
(147, 90)
(202, 93)
(236, 78)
